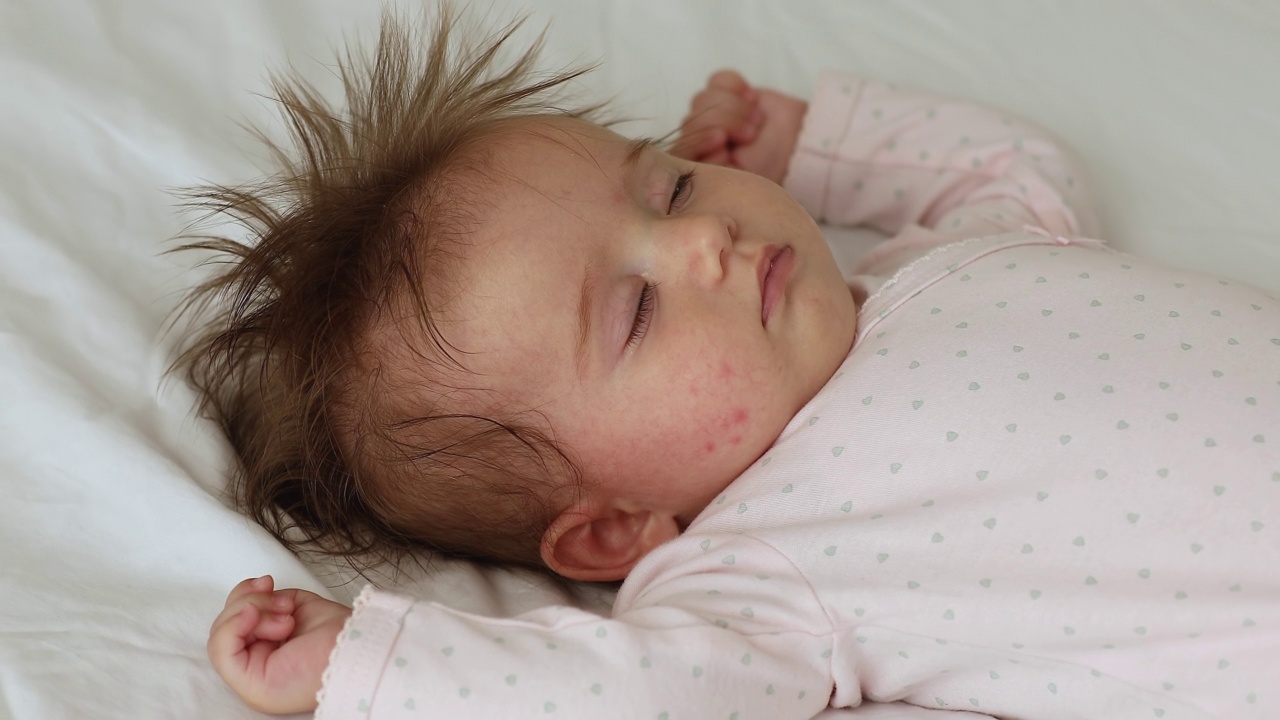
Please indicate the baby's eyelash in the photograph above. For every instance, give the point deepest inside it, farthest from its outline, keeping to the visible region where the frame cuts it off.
(644, 311)
(680, 194)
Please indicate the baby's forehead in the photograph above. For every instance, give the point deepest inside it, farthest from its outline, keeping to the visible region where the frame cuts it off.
(545, 138)
(500, 290)
(506, 241)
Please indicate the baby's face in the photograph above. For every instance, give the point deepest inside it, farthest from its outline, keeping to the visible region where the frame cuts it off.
(665, 327)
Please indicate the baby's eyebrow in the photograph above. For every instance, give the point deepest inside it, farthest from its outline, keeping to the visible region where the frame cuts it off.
(635, 149)
(585, 313)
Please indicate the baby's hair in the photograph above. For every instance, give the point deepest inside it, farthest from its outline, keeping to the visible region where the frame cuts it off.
(350, 241)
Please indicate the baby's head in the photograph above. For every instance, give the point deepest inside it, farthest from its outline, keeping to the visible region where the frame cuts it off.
(470, 321)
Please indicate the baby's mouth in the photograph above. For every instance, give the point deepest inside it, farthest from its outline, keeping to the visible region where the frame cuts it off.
(774, 269)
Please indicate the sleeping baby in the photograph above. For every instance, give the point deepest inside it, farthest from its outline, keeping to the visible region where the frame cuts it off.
(997, 468)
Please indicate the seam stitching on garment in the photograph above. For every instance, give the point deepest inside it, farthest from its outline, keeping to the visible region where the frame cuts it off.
(813, 592)
(831, 164)
(900, 165)
(893, 281)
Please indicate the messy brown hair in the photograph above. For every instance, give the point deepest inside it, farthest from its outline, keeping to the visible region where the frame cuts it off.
(365, 214)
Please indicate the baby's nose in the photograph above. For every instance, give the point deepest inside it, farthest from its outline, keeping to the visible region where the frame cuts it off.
(704, 243)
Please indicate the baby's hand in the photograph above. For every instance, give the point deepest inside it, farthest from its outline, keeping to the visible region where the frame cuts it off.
(272, 647)
(731, 123)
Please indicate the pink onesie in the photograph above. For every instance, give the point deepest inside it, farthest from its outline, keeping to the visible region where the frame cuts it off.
(1045, 483)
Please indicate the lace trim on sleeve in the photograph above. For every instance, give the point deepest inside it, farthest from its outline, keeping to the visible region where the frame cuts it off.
(362, 600)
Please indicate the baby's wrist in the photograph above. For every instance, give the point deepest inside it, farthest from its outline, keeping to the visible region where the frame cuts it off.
(785, 118)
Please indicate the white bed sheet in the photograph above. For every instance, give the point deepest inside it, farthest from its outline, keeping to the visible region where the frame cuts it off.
(115, 549)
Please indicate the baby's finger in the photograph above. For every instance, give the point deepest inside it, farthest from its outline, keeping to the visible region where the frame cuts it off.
(254, 619)
(252, 585)
(740, 119)
(729, 80)
(229, 636)
(719, 157)
(696, 144)
(273, 627)
(748, 129)
(302, 599)
(720, 104)
(260, 602)
(296, 596)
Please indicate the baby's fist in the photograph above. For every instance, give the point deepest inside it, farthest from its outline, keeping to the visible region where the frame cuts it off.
(271, 647)
(731, 123)
(721, 115)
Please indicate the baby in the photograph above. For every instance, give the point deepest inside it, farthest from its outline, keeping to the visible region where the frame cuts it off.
(999, 468)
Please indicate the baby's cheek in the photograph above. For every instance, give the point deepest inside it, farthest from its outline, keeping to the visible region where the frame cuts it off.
(716, 406)
(726, 431)
(723, 418)
(733, 424)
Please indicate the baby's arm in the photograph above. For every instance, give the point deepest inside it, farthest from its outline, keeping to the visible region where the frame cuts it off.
(400, 657)
(397, 656)
(271, 648)
(874, 154)
(904, 162)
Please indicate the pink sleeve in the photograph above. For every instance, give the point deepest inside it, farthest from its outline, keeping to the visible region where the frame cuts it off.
(689, 651)
(360, 656)
(931, 169)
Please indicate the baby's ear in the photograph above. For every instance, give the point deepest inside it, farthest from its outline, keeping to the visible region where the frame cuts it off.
(601, 542)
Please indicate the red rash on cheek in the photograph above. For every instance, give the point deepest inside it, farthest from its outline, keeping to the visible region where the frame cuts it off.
(726, 371)
(735, 417)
